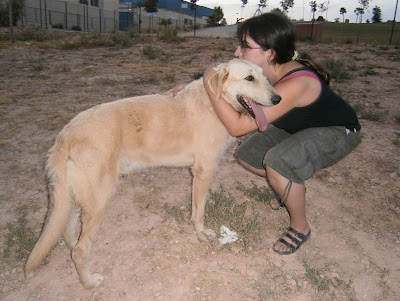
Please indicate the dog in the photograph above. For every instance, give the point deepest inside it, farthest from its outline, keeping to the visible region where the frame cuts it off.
(126, 135)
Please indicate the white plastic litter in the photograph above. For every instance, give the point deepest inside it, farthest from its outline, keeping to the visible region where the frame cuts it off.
(227, 236)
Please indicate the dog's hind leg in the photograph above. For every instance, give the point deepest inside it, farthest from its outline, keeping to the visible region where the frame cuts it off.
(201, 182)
(70, 235)
(94, 186)
(80, 254)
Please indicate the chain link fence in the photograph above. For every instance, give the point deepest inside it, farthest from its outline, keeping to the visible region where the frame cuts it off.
(48, 14)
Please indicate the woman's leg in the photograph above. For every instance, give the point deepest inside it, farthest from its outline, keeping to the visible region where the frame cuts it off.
(294, 196)
(259, 172)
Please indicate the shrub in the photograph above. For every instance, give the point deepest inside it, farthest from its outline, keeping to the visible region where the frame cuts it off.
(58, 26)
(149, 52)
(76, 28)
(336, 68)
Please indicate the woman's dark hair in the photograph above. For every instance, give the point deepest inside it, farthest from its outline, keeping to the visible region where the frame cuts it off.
(275, 31)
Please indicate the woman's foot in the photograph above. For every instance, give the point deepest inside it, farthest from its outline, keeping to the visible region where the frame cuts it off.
(291, 241)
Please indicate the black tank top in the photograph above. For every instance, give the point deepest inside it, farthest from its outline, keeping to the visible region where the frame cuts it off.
(329, 109)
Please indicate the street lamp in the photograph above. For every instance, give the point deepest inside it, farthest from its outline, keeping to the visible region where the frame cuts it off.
(232, 17)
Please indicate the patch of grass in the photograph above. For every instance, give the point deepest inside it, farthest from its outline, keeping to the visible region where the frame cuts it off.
(397, 140)
(368, 71)
(325, 284)
(149, 52)
(188, 61)
(171, 36)
(260, 194)
(353, 67)
(322, 174)
(176, 213)
(397, 118)
(170, 77)
(373, 115)
(20, 239)
(337, 69)
(120, 39)
(222, 209)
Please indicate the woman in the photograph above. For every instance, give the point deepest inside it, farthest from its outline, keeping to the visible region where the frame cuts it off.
(311, 128)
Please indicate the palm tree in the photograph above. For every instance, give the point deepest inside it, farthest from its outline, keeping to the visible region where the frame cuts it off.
(342, 12)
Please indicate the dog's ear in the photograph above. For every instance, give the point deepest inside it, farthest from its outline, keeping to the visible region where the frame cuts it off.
(217, 80)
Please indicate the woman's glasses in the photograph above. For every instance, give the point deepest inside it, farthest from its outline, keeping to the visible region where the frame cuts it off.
(244, 49)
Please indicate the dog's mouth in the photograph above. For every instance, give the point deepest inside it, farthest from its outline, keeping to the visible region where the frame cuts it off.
(255, 110)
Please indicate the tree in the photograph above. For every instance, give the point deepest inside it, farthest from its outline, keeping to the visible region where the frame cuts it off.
(313, 5)
(150, 6)
(364, 5)
(358, 11)
(261, 6)
(322, 8)
(376, 15)
(216, 18)
(244, 2)
(343, 11)
(17, 10)
(286, 5)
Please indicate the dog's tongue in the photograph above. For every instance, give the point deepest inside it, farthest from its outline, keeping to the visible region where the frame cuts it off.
(261, 120)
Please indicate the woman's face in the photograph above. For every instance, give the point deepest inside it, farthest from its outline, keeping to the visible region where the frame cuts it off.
(253, 53)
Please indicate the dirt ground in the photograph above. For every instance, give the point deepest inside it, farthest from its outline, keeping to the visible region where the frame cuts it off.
(144, 251)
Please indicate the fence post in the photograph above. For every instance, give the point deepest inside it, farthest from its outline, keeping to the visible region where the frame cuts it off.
(45, 12)
(66, 16)
(40, 10)
(10, 21)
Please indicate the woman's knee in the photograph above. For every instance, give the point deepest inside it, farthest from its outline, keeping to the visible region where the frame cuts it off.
(260, 172)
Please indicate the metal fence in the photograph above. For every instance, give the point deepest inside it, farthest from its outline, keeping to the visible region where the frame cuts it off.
(66, 15)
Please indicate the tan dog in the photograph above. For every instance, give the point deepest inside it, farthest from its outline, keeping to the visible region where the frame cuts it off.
(99, 144)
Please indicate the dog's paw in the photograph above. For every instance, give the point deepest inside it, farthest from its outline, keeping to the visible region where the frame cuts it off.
(95, 280)
(206, 235)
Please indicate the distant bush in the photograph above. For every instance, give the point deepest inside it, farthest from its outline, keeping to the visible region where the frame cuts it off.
(336, 69)
(58, 26)
(76, 28)
(149, 52)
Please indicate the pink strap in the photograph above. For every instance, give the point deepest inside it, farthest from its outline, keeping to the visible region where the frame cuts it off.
(302, 73)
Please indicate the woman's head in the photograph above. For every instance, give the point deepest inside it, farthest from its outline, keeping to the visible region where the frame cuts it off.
(274, 33)
(271, 31)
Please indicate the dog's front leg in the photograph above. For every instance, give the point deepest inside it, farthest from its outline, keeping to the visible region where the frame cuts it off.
(201, 181)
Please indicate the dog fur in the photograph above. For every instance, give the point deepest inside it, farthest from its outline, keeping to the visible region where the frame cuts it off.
(110, 139)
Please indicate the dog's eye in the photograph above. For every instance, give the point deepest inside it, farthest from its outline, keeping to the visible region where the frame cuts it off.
(249, 78)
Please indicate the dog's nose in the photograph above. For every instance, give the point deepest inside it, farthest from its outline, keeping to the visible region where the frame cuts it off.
(276, 99)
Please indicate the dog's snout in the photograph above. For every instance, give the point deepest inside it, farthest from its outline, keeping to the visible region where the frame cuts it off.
(276, 99)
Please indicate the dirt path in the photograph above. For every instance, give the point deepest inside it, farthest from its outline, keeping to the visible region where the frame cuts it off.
(146, 248)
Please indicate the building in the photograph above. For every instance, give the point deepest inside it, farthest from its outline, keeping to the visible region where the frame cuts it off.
(179, 14)
(85, 15)
(111, 15)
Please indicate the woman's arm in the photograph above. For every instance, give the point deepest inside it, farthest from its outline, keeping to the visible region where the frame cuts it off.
(237, 124)
(292, 91)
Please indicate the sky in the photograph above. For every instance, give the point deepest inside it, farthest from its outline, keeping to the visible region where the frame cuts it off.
(301, 10)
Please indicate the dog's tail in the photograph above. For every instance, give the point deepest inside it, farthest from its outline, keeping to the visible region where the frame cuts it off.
(61, 205)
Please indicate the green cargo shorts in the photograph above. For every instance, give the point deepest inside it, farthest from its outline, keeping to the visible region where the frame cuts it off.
(298, 156)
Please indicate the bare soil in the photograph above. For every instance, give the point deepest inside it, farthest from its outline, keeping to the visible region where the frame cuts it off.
(144, 251)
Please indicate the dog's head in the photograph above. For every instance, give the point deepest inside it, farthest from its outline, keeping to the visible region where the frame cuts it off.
(243, 84)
